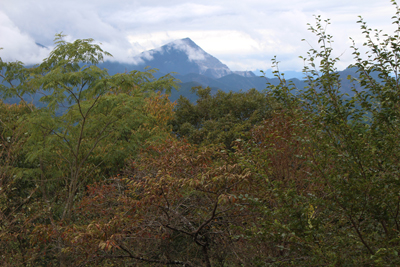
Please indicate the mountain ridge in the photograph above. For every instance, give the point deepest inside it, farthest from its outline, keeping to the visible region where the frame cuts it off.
(185, 56)
(194, 67)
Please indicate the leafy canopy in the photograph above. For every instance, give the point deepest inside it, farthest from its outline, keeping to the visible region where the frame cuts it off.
(220, 118)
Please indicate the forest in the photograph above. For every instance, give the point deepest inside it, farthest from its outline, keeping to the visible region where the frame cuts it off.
(109, 172)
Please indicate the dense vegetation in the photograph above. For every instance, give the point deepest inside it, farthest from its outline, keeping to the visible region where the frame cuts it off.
(220, 118)
(125, 177)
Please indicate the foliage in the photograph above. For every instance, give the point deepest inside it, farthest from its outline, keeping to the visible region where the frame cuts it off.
(221, 118)
(354, 157)
(15, 191)
(88, 123)
(177, 205)
(308, 179)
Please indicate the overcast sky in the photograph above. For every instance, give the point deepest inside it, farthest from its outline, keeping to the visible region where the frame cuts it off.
(243, 34)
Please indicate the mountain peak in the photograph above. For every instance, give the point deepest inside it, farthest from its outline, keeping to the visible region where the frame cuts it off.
(183, 56)
(186, 45)
(189, 41)
(186, 41)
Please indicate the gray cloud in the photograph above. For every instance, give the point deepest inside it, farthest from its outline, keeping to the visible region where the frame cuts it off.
(245, 35)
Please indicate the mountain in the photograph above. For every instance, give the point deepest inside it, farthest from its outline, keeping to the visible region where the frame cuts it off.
(245, 73)
(288, 74)
(184, 56)
(191, 65)
(195, 67)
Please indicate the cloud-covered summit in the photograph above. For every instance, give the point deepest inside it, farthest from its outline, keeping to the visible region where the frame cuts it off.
(193, 51)
(183, 56)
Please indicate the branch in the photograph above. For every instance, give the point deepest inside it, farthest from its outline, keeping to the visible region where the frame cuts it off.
(360, 235)
(176, 229)
(18, 95)
(207, 221)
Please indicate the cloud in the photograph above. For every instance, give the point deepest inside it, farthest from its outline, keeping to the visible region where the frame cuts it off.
(18, 45)
(244, 35)
(40, 21)
(192, 52)
(154, 15)
(146, 55)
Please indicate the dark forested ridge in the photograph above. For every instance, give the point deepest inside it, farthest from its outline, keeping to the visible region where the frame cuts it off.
(231, 82)
(274, 177)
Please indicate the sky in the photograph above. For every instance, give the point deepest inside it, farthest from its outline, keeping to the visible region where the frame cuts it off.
(244, 35)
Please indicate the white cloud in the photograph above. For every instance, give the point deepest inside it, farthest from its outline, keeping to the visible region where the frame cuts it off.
(162, 14)
(244, 35)
(18, 45)
(193, 53)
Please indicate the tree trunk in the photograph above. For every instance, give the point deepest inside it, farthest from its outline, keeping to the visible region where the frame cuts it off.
(206, 258)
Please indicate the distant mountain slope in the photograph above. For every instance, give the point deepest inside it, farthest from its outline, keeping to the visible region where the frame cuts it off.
(237, 82)
(195, 67)
(192, 65)
(204, 81)
(183, 56)
(245, 73)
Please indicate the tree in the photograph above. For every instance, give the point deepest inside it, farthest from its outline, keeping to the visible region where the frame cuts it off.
(16, 207)
(88, 122)
(314, 182)
(354, 155)
(221, 118)
(175, 198)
